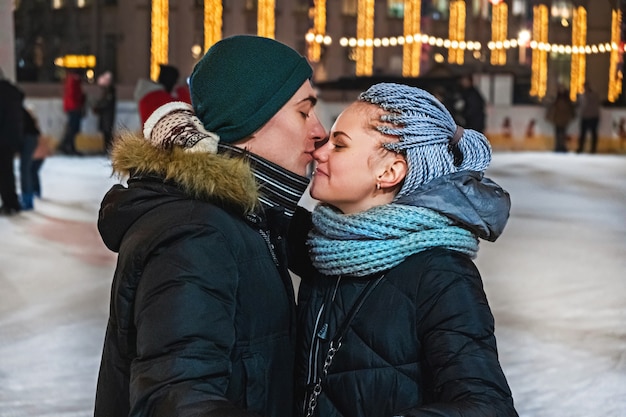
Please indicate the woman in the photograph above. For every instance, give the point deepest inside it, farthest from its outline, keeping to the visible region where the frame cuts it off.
(393, 318)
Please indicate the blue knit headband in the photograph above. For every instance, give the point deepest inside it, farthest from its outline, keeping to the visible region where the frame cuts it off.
(425, 129)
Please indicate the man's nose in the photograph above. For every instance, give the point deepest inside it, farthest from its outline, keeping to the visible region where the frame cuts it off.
(317, 130)
(319, 154)
(320, 142)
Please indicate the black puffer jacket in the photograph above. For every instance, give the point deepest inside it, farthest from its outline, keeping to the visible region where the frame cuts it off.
(201, 321)
(11, 119)
(422, 343)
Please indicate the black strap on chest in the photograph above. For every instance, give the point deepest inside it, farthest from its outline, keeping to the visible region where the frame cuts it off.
(345, 324)
(336, 342)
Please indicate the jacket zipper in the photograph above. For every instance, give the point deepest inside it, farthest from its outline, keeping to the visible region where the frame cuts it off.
(265, 235)
(270, 245)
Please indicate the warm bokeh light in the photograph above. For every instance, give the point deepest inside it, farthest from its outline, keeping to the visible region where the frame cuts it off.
(76, 61)
(160, 36)
(412, 52)
(317, 35)
(266, 24)
(212, 22)
(539, 67)
(579, 60)
(499, 28)
(413, 39)
(365, 32)
(615, 74)
(457, 30)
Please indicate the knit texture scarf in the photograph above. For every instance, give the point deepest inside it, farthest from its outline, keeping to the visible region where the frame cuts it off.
(380, 238)
(277, 185)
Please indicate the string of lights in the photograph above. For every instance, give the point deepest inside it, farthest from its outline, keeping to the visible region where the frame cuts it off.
(266, 24)
(212, 22)
(499, 28)
(365, 30)
(579, 61)
(318, 14)
(412, 39)
(539, 67)
(159, 36)
(475, 45)
(411, 52)
(456, 55)
(615, 73)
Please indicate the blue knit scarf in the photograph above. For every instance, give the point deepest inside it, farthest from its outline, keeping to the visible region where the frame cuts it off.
(380, 238)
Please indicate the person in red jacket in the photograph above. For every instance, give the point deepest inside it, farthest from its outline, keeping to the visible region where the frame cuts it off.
(74, 107)
(151, 95)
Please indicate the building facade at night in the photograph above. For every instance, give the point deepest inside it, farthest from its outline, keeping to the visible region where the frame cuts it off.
(343, 38)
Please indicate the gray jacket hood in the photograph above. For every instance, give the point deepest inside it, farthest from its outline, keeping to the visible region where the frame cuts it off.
(467, 197)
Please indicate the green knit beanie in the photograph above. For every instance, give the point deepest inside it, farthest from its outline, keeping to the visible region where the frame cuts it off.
(241, 83)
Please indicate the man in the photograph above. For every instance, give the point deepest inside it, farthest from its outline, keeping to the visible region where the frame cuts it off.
(105, 108)
(589, 118)
(151, 95)
(560, 113)
(202, 306)
(11, 131)
(473, 112)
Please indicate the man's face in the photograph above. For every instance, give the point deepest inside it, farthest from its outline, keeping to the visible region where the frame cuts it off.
(288, 138)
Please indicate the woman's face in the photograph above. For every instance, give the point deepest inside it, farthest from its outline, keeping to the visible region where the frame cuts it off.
(353, 161)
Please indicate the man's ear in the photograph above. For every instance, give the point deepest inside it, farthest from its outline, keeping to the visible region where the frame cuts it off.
(394, 174)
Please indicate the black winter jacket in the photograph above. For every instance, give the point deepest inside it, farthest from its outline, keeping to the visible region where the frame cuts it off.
(11, 118)
(473, 109)
(423, 343)
(201, 320)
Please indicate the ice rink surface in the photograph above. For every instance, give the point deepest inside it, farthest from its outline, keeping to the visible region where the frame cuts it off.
(556, 282)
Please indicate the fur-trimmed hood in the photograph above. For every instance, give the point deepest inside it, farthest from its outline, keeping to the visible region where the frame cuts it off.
(157, 176)
(203, 176)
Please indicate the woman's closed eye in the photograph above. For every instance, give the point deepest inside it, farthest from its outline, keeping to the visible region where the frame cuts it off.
(338, 145)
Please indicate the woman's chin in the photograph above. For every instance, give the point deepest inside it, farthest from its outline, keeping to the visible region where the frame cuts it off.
(316, 192)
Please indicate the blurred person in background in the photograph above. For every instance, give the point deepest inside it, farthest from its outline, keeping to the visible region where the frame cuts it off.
(74, 108)
(43, 150)
(11, 136)
(104, 107)
(589, 111)
(561, 111)
(31, 138)
(472, 105)
(150, 95)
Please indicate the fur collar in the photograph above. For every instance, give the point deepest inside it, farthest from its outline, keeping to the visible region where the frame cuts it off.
(203, 176)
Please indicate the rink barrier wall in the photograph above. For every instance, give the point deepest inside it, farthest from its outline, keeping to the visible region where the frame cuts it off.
(509, 128)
